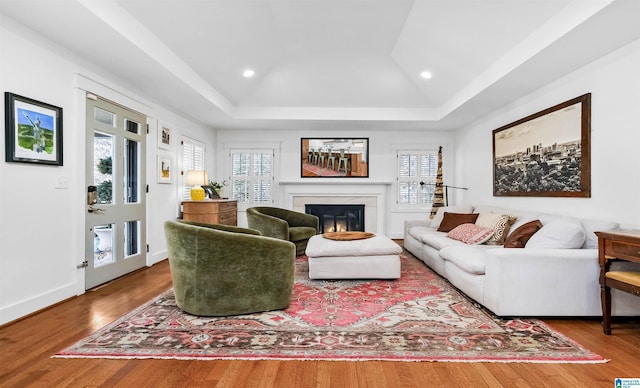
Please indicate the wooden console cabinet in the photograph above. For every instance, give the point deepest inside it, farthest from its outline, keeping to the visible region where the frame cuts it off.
(617, 245)
(216, 211)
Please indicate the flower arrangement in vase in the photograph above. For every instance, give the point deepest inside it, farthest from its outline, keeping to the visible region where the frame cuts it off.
(214, 189)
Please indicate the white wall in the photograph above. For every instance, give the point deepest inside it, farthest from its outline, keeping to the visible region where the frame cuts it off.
(615, 138)
(41, 227)
(382, 164)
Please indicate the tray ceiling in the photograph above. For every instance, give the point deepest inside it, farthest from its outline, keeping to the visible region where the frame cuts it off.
(328, 63)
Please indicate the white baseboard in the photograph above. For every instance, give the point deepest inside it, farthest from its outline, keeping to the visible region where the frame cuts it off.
(36, 303)
(157, 257)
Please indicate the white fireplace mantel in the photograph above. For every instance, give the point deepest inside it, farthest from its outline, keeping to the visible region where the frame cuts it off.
(370, 193)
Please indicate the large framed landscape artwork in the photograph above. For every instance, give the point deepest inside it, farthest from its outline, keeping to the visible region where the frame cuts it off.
(546, 154)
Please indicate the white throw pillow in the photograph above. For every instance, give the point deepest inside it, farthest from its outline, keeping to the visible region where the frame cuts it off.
(560, 233)
(437, 219)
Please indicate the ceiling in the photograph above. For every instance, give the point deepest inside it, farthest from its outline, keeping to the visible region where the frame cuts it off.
(331, 64)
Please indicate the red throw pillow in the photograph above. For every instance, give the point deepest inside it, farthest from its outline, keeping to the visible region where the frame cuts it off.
(519, 237)
(451, 220)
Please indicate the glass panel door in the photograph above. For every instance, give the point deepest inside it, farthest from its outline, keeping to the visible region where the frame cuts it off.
(116, 214)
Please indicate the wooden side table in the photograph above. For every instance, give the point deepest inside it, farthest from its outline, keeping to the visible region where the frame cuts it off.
(617, 245)
(215, 211)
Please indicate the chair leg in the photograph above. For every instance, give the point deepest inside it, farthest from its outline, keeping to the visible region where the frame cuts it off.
(346, 165)
(605, 296)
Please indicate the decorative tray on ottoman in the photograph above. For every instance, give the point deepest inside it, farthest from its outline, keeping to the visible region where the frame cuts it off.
(347, 236)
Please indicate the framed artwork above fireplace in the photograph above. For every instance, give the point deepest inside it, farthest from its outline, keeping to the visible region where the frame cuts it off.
(323, 157)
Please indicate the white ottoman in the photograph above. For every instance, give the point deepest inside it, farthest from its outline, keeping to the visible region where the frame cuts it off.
(377, 257)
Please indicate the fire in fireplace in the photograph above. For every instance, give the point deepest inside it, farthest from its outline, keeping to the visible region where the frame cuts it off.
(338, 218)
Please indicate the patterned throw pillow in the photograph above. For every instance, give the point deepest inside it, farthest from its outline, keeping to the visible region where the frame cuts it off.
(470, 233)
(500, 223)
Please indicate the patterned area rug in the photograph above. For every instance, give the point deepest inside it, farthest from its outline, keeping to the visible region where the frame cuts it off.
(419, 317)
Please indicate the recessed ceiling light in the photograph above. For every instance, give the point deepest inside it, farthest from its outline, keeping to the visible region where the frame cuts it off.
(248, 73)
(426, 75)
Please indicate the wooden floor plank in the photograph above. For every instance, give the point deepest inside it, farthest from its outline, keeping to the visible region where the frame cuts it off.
(26, 347)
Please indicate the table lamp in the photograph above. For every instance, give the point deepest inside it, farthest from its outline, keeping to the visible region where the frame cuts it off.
(197, 178)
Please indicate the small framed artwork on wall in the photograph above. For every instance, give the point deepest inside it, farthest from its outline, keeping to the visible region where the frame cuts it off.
(33, 131)
(164, 169)
(547, 154)
(165, 135)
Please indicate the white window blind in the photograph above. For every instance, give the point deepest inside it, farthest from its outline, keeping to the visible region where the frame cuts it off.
(417, 177)
(192, 159)
(252, 176)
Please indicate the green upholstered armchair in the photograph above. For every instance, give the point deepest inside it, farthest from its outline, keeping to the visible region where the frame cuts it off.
(224, 270)
(284, 224)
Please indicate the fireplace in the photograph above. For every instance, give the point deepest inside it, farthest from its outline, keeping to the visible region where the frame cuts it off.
(338, 218)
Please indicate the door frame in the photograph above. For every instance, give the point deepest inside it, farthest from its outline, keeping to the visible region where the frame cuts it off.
(119, 212)
(82, 86)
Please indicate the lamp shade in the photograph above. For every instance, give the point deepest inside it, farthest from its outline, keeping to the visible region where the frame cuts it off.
(196, 178)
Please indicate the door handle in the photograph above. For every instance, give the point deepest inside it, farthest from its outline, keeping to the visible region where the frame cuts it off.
(92, 209)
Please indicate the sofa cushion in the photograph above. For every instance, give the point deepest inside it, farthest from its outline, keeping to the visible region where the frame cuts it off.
(439, 240)
(437, 219)
(561, 233)
(500, 223)
(418, 231)
(451, 220)
(470, 234)
(519, 237)
(471, 259)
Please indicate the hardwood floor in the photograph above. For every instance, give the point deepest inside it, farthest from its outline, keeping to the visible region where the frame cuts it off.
(26, 347)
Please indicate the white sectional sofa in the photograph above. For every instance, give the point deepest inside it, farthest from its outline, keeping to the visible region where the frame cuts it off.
(530, 281)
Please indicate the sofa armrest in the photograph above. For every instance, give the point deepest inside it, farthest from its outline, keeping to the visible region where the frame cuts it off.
(408, 224)
(550, 281)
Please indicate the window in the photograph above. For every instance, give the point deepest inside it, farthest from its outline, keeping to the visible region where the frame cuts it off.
(252, 176)
(417, 177)
(192, 159)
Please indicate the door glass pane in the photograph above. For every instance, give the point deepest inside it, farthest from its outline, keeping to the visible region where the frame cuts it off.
(408, 165)
(131, 171)
(131, 238)
(102, 245)
(262, 164)
(105, 117)
(240, 164)
(262, 191)
(408, 192)
(427, 191)
(103, 151)
(131, 126)
(241, 190)
(428, 165)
